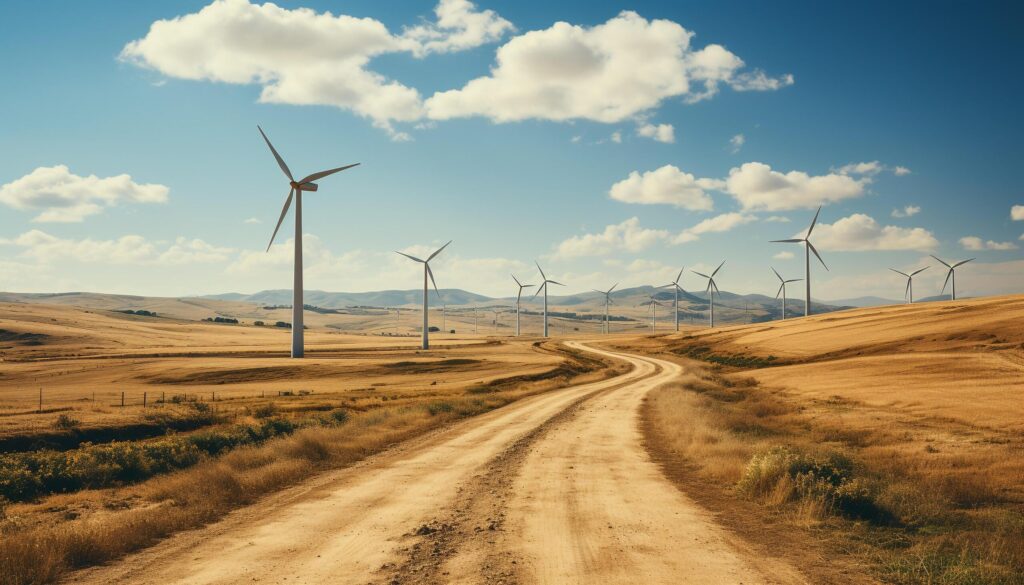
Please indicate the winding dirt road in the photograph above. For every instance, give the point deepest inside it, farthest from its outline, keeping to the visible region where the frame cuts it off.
(556, 488)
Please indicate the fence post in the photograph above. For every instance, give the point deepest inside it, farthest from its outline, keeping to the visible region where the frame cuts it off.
(143, 400)
(122, 399)
(40, 399)
(162, 401)
(213, 397)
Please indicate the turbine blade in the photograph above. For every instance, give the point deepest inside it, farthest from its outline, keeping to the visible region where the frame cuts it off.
(715, 284)
(700, 274)
(794, 241)
(809, 244)
(717, 269)
(409, 257)
(680, 274)
(776, 273)
(613, 288)
(439, 250)
(597, 291)
(430, 273)
(284, 211)
(940, 261)
(280, 161)
(556, 282)
(517, 280)
(322, 174)
(919, 270)
(962, 262)
(539, 288)
(948, 274)
(793, 280)
(813, 221)
(898, 272)
(781, 286)
(542, 275)
(907, 292)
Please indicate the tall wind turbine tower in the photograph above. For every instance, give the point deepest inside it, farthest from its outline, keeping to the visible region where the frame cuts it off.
(712, 289)
(519, 296)
(951, 274)
(782, 290)
(652, 305)
(908, 295)
(295, 191)
(676, 288)
(808, 248)
(607, 301)
(427, 272)
(544, 287)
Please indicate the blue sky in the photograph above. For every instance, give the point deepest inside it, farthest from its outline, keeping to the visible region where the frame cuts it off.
(869, 108)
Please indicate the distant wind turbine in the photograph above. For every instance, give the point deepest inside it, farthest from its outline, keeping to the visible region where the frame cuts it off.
(652, 305)
(908, 295)
(782, 290)
(519, 296)
(951, 274)
(427, 272)
(712, 289)
(544, 287)
(676, 288)
(607, 301)
(296, 189)
(808, 248)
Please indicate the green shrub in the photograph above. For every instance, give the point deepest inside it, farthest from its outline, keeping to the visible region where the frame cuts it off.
(436, 408)
(66, 422)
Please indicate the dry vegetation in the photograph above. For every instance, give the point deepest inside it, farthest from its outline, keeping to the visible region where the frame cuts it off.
(914, 474)
(225, 422)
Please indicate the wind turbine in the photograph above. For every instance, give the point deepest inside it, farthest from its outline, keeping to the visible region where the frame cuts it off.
(712, 289)
(782, 290)
(519, 295)
(296, 189)
(544, 287)
(676, 288)
(908, 295)
(427, 272)
(607, 301)
(951, 274)
(653, 304)
(808, 248)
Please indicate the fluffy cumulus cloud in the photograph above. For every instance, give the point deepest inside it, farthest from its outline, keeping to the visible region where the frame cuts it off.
(62, 196)
(459, 26)
(783, 256)
(626, 236)
(908, 211)
(736, 143)
(717, 224)
(975, 244)
(1017, 213)
(661, 132)
(757, 187)
(667, 185)
(130, 249)
(860, 232)
(186, 251)
(302, 57)
(608, 73)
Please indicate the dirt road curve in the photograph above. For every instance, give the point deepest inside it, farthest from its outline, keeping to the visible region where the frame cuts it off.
(556, 488)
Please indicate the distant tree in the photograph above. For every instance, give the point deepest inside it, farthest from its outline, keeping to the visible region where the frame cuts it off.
(258, 323)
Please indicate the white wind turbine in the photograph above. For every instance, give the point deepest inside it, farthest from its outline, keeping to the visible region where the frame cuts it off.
(782, 290)
(427, 272)
(544, 287)
(676, 288)
(296, 189)
(652, 305)
(712, 289)
(607, 301)
(908, 295)
(951, 274)
(519, 296)
(808, 248)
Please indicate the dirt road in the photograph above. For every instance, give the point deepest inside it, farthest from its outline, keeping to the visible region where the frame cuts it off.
(556, 488)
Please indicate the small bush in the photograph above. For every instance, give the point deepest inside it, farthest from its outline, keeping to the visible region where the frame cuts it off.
(265, 410)
(66, 422)
(436, 408)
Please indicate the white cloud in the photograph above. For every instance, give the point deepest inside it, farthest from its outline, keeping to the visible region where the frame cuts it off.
(783, 256)
(777, 219)
(607, 73)
(628, 236)
(860, 232)
(719, 223)
(576, 139)
(459, 26)
(975, 244)
(302, 57)
(870, 169)
(662, 132)
(66, 197)
(1017, 213)
(616, 137)
(185, 251)
(900, 171)
(666, 185)
(253, 220)
(908, 211)
(737, 142)
(757, 187)
(46, 248)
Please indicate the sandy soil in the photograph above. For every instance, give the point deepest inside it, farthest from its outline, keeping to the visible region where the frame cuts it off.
(556, 488)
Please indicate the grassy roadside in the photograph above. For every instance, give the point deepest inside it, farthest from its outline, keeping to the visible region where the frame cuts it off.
(42, 541)
(833, 476)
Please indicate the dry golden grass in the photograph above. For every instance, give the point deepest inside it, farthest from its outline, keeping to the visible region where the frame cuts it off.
(935, 488)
